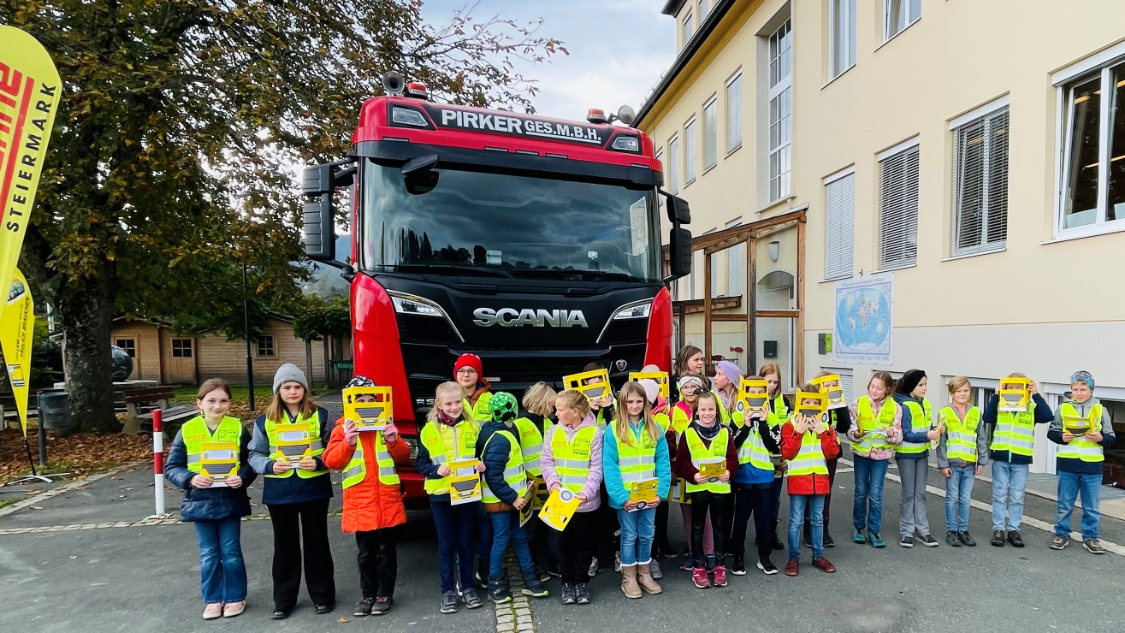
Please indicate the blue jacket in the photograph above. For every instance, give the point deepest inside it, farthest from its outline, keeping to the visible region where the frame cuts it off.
(907, 424)
(291, 489)
(211, 504)
(495, 458)
(1043, 415)
(748, 475)
(615, 486)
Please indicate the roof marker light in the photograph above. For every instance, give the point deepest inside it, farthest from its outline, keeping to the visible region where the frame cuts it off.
(417, 90)
(596, 116)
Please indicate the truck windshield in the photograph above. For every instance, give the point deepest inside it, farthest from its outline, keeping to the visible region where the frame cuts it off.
(507, 226)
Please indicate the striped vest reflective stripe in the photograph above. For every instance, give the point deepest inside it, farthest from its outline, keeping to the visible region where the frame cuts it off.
(810, 459)
(920, 420)
(960, 435)
(1015, 432)
(572, 457)
(753, 451)
(700, 452)
(637, 462)
(1080, 447)
(448, 444)
(531, 443)
(356, 469)
(315, 443)
(514, 474)
(867, 423)
(195, 433)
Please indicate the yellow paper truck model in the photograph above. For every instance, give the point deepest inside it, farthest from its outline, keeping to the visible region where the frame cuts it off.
(559, 508)
(643, 493)
(830, 385)
(810, 410)
(218, 461)
(1015, 395)
(370, 408)
(464, 482)
(753, 396)
(293, 442)
(661, 378)
(598, 387)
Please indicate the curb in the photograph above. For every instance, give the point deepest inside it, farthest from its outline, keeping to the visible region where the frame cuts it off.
(78, 483)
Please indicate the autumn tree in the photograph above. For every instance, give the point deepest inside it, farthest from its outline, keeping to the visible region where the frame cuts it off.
(175, 144)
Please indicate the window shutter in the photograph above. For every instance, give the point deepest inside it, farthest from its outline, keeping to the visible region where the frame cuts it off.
(673, 165)
(898, 210)
(710, 138)
(839, 220)
(734, 114)
(980, 184)
(736, 259)
(689, 152)
(714, 275)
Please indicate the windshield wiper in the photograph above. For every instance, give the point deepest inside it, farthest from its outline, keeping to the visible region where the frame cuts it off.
(569, 274)
(451, 270)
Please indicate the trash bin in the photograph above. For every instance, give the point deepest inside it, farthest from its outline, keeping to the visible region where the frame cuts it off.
(54, 412)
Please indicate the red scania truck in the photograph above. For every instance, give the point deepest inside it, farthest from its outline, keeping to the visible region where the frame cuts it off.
(531, 242)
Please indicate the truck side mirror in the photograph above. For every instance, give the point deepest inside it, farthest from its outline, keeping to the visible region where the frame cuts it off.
(679, 241)
(321, 181)
(678, 210)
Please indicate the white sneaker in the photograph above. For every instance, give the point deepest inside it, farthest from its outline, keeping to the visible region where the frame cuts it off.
(593, 566)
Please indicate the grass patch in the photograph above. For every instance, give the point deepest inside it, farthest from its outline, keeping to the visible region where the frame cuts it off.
(10, 501)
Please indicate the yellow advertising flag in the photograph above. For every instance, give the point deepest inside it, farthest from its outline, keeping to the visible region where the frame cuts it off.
(29, 97)
(17, 329)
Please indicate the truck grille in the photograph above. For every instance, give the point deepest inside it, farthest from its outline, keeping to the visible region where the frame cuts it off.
(530, 370)
(425, 330)
(626, 332)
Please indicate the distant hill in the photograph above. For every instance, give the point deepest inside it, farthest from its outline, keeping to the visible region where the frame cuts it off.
(325, 280)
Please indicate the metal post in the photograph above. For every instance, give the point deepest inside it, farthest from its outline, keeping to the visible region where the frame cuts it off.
(158, 459)
(42, 432)
(246, 333)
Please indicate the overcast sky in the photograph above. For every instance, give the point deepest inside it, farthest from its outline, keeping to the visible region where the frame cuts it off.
(618, 48)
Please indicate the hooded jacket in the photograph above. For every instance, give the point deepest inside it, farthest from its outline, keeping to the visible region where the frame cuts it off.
(991, 410)
(495, 454)
(370, 504)
(593, 477)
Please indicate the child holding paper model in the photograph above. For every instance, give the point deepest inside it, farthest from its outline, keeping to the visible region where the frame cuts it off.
(840, 419)
(1083, 431)
(755, 441)
(807, 442)
(778, 414)
(690, 387)
(372, 501)
(960, 457)
(535, 418)
(635, 452)
(216, 511)
(876, 430)
(706, 459)
(572, 459)
(448, 437)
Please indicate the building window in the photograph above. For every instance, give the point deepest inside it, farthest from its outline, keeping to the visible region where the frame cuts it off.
(127, 344)
(898, 206)
(839, 224)
(689, 152)
(673, 165)
(899, 14)
(781, 110)
(980, 183)
(1093, 171)
(710, 134)
(181, 348)
(265, 346)
(687, 29)
(704, 8)
(736, 256)
(734, 112)
(841, 36)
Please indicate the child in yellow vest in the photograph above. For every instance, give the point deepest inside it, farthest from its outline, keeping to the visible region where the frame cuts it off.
(807, 443)
(690, 387)
(876, 430)
(961, 456)
(534, 421)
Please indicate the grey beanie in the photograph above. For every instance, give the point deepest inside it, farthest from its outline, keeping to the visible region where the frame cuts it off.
(289, 373)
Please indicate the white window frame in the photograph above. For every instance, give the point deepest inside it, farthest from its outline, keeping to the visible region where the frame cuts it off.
(704, 9)
(776, 91)
(736, 255)
(688, 26)
(848, 17)
(673, 164)
(733, 117)
(1064, 80)
(689, 151)
(711, 133)
(955, 125)
(910, 20)
(840, 175)
(904, 146)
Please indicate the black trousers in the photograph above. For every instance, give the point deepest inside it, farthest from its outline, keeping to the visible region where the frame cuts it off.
(301, 528)
(575, 545)
(378, 562)
(605, 543)
(756, 501)
(719, 506)
(660, 539)
(831, 463)
(542, 550)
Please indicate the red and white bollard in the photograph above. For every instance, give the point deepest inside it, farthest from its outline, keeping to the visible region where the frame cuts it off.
(158, 461)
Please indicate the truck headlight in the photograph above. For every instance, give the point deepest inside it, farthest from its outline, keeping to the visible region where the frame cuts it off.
(409, 304)
(637, 310)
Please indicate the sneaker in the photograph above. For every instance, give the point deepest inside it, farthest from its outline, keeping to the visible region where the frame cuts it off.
(998, 538)
(542, 575)
(1093, 545)
(582, 593)
(906, 541)
(593, 567)
(382, 605)
(532, 587)
(449, 603)
(363, 607)
(472, 599)
(1059, 542)
(234, 609)
(877, 541)
(1014, 538)
(213, 611)
(828, 542)
(568, 593)
(616, 562)
(858, 538)
(953, 539)
(823, 565)
(687, 565)
(767, 567)
(738, 568)
(699, 577)
(654, 570)
(721, 575)
(792, 568)
(325, 609)
(498, 592)
(966, 540)
(928, 540)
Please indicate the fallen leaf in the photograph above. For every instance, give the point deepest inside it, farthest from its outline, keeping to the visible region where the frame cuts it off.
(36, 507)
(34, 492)
(343, 620)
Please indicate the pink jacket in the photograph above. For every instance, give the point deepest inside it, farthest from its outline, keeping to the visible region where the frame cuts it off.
(593, 478)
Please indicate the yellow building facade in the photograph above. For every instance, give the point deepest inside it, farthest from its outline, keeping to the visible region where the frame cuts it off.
(951, 175)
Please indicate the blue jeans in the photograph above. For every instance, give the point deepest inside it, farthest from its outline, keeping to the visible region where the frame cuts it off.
(455, 542)
(958, 495)
(867, 510)
(797, 505)
(1070, 485)
(221, 568)
(506, 528)
(637, 530)
(1009, 481)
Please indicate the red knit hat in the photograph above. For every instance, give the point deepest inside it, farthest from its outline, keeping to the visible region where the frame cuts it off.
(468, 360)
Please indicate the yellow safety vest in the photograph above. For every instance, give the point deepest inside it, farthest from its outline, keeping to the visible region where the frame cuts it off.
(514, 474)
(315, 443)
(700, 452)
(920, 417)
(662, 421)
(1015, 432)
(779, 413)
(448, 444)
(195, 433)
(637, 462)
(481, 412)
(867, 423)
(356, 469)
(724, 414)
(753, 451)
(572, 458)
(960, 435)
(680, 421)
(810, 459)
(1080, 447)
(531, 443)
